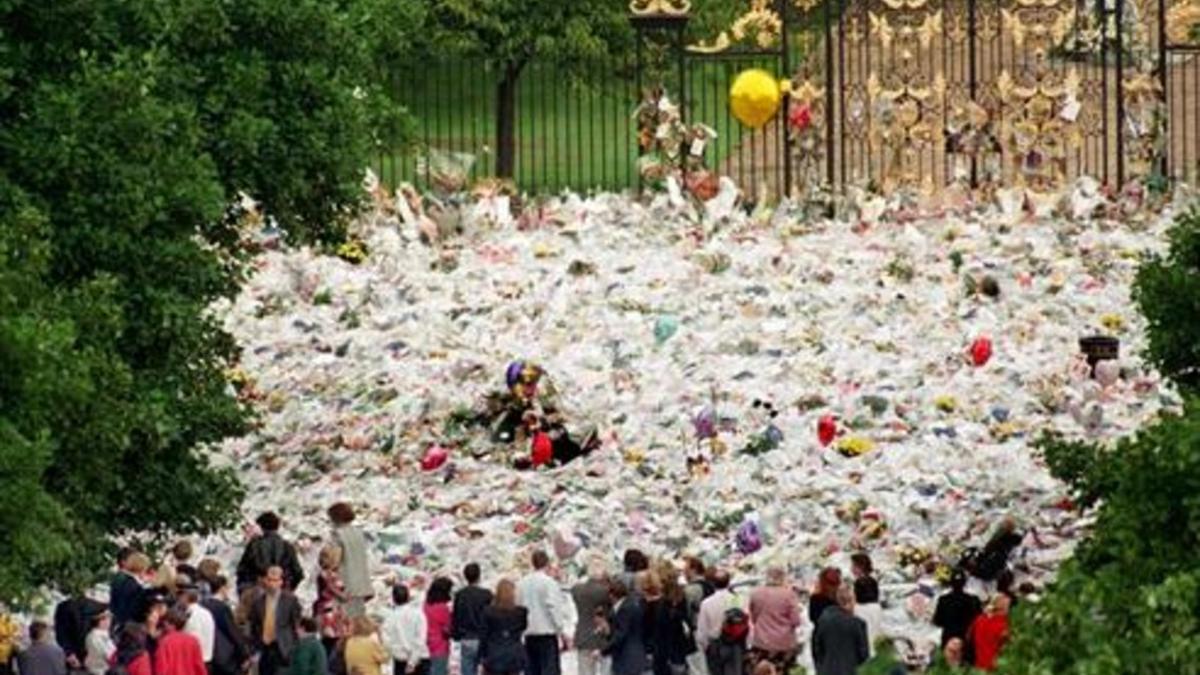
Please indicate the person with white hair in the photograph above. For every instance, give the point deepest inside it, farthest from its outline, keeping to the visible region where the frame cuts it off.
(774, 617)
(591, 603)
(840, 641)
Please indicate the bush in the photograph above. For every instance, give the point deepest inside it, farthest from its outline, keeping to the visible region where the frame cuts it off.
(1167, 291)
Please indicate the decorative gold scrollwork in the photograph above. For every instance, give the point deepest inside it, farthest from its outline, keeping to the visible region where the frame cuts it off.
(1040, 126)
(761, 22)
(1182, 22)
(642, 7)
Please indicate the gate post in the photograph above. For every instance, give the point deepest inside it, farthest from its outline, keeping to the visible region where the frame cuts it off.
(1164, 99)
(829, 84)
(1120, 94)
(972, 76)
(786, 64)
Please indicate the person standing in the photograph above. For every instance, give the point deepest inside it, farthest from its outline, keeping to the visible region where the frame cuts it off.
(670, 632)
(724, 654)
(329, 609)
(626, 644)
(438, 621)
(99, 644)
(132, 652)
(309, 657)
(354, 570)
(274, 617)
(467, 620)
(200, 623)
(696, 591)
(182, 554)
(989, 633)
(824, 596)
(125, 587)
(364, 654)
(504, 622)
(649, 592)
(956, 610)
(72, 622)
(775, 615)
(230, 650)
(268, 550)
(405, 634)
(866, 597)
(540, 595)
(177, 652)
(43, 657)
(10, 632)
(840, 640)
(592, 602)
(634, 562)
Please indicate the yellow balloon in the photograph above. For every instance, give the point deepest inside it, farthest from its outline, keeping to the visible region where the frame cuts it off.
(754, 97)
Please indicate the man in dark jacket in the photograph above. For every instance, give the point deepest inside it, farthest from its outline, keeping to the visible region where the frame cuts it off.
(956, 609)
(124, 590)
(72, 621)
(467, 620)
(274, 621)
(840, 641)
(230, 649)
(43, 656)
(591, 603)
(266, 551)
(627, 636)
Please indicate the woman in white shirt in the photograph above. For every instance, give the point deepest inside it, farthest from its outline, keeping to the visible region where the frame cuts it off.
(100, 647)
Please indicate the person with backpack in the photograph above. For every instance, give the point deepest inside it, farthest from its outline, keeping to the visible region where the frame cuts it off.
(722, 629)
(266, 551)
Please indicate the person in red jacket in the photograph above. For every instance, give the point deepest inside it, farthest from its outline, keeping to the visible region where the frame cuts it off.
(989, 633)
(178, 653)
(132, 654)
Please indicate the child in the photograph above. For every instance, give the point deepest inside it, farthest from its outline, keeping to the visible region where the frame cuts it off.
(328, 610)
(100, 647)
(309, 656)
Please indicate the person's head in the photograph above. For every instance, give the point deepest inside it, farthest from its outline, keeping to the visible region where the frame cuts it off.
(506, 594)
(776, 576)
(273, 579)
(218, 584)
(669, 575)
(101, 620)
(208, 569)
(845, 598)
(617, 589)
(38, 631)
(268, 522)
(765, 667)
(439, 591)
(829, 582)
(540, 560)
(362, 626)
(597, 570)
(189, 595)
(472, 573)
(137, 564)
(400, 595)
(958, 580)
(693, 569)
(1000, 605)
(182, 550)
(861, 565)
(720, 579)
(123, 555)
(330, 557)
(308, 626)
(132, 638)
(176, 618)
(341, 513)
(1008, 525)
(649, 584)
(635, 561)
(165, 577)
(953, 652)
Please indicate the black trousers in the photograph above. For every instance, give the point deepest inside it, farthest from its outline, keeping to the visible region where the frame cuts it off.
(542, 653)
(271, 661)
(401, 667)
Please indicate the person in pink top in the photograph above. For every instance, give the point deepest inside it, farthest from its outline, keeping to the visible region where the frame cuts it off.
(438, 620)
(775, 616)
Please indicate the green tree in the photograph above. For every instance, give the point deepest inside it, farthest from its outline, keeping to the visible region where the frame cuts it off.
(511, 33)
(1167, 291)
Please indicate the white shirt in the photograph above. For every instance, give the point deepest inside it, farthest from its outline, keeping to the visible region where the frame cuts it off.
(100, 649)
(712, 617)
(200, 623)
(404, 633)
(546, 603)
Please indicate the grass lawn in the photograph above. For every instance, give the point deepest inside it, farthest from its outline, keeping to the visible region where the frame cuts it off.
(570, 132)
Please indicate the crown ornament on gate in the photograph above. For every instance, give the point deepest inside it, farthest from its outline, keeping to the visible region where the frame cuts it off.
(642, 7)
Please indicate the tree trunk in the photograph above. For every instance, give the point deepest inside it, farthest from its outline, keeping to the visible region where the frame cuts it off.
(506, 121)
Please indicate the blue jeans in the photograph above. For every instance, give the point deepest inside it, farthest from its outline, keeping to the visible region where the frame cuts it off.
(439, 665)
(470, 657)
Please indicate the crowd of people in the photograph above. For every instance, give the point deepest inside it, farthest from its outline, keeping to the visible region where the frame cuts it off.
(652, 617)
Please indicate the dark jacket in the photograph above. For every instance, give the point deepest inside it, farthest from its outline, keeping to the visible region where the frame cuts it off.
(500, 647)
(230, 648)
(627, 644)
(287, 619)
(467, 618)
(840, 643)
(309, 658)
(265, 552)
(817, 604)
(954, 614)
(590, 596)
(123, 594)
(72, 618)
(42, 659)
(672, 643)
(866, 590)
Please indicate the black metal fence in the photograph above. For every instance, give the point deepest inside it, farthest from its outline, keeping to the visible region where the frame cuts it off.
(899, 92)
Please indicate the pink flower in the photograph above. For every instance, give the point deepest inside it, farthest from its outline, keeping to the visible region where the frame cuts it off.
(800, 117)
